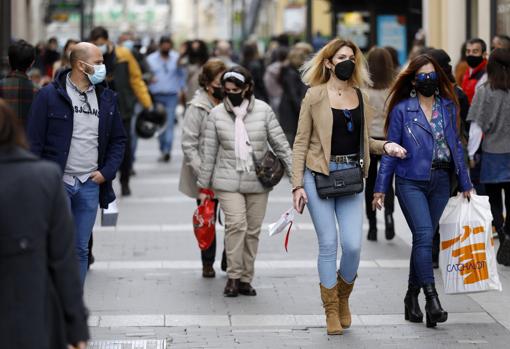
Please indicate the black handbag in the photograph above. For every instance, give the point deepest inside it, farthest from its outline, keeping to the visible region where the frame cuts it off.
(347, 181)
(269, 169)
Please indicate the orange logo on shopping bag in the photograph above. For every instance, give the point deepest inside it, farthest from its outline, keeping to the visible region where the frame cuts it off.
(472, 262)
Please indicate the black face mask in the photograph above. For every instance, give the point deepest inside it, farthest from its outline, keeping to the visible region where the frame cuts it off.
(165, 52)
(474, 61)
(235, 98)
(218, 92)
(427, 88)
(344, 70)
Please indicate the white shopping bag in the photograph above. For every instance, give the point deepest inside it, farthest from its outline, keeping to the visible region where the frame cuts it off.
(110, 215)
(467, 259)
(286, 219)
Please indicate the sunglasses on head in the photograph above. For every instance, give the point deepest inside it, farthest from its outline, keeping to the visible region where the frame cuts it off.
(426, 76)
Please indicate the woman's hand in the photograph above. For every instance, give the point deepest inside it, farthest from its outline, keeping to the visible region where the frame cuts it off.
(204, 194)
(394, 150)
(378, 201)
(299, 199)
(467, 194)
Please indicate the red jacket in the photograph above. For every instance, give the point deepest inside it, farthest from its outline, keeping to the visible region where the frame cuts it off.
(470, 79)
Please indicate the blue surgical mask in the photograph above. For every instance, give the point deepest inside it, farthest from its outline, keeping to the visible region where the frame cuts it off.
(129, 44)
(99, 73)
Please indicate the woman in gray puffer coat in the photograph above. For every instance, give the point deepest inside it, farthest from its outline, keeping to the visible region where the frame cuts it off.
(206, 97)
(237, 130)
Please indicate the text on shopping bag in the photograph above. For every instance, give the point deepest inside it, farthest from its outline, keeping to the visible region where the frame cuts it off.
(472, 262)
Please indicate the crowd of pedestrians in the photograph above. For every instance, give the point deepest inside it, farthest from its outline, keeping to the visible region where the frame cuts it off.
(69, 122)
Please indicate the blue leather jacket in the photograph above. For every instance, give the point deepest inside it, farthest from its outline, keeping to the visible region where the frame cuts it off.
(410, 128)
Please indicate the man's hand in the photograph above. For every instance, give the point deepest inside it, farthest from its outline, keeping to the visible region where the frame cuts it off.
(472, 163)
(97, 177)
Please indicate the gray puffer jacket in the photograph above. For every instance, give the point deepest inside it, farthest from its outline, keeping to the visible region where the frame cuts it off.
(193, 130)
(218, 168)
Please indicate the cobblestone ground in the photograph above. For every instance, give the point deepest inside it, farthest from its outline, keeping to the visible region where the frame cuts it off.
(146, 291)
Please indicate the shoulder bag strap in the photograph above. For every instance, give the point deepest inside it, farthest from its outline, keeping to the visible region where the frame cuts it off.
(362, 131)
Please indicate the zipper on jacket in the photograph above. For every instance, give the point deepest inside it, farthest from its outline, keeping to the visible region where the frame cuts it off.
(412, 135)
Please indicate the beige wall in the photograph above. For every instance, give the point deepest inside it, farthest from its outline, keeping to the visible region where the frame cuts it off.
(321, 16)
(445, 24)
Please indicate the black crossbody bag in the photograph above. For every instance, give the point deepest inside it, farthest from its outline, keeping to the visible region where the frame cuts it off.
(347, 181)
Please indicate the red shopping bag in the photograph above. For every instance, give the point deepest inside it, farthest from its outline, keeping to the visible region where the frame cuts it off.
(204, 222)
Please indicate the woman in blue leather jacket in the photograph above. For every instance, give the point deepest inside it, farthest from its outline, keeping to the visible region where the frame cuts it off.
(423, 119)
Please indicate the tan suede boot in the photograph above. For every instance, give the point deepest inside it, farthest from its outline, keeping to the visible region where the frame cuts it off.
(329, 298)
(344, 291)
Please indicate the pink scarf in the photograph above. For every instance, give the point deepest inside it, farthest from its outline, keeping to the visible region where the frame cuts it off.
(243, 147)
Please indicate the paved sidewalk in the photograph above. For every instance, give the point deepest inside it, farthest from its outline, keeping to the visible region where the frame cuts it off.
(146, 286)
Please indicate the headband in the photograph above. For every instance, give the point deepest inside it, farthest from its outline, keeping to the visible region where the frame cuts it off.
(233, 74)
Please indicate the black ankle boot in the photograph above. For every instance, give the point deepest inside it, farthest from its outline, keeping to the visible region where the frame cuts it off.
(372, 230)
(503, 254)
(433, 309)
(390, 226)
(412, 306)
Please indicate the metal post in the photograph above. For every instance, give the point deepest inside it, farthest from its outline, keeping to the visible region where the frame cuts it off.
(82, 20)
(5, 34)
(196, 18)
(309, 29)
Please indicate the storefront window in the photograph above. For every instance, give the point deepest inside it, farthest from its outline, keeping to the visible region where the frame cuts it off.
(355, 26)
(503, 17)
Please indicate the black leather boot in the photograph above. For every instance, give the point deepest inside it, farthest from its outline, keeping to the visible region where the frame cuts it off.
(412, 306)
(503, 254)
(372, 230)
(390, 226)
(433, 309)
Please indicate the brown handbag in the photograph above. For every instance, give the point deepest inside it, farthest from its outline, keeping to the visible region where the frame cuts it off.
(269, 169)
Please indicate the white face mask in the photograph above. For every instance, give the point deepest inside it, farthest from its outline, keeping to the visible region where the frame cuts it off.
(129, 44)
(103, 48)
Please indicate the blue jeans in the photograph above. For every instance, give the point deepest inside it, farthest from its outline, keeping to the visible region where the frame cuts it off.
(84, 200)
(347, 211)
(423, 203)
(166, 137)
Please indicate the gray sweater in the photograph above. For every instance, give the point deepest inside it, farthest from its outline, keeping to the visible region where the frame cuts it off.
(490, 109)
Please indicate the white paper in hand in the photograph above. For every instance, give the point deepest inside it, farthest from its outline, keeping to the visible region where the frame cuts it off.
(285, 219)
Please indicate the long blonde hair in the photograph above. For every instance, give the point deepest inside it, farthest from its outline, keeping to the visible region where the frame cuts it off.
(314, 71)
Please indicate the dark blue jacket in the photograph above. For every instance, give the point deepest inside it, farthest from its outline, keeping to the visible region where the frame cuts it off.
(410, 128)
(50, 129)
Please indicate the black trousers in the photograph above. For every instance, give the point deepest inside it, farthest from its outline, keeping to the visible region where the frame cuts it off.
(495, 191)
(389, 199)
(127, 161)
(209, 255)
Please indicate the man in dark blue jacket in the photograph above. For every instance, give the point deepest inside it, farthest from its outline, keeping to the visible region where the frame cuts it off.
(75, 122)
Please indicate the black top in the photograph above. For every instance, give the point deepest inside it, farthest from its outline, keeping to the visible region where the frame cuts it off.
(344, 142)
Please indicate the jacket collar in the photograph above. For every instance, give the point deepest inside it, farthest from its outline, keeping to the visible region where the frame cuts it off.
(201, 100)
(413, 103)
(60, 85)
(15, 154)
(18, 74)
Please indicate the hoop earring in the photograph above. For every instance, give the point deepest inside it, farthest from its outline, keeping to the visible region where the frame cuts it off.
(436, 91)
(413, 93)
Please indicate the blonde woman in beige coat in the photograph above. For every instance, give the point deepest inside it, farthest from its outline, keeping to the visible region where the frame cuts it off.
(328, 139)
(238, 129)
(206, 98)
